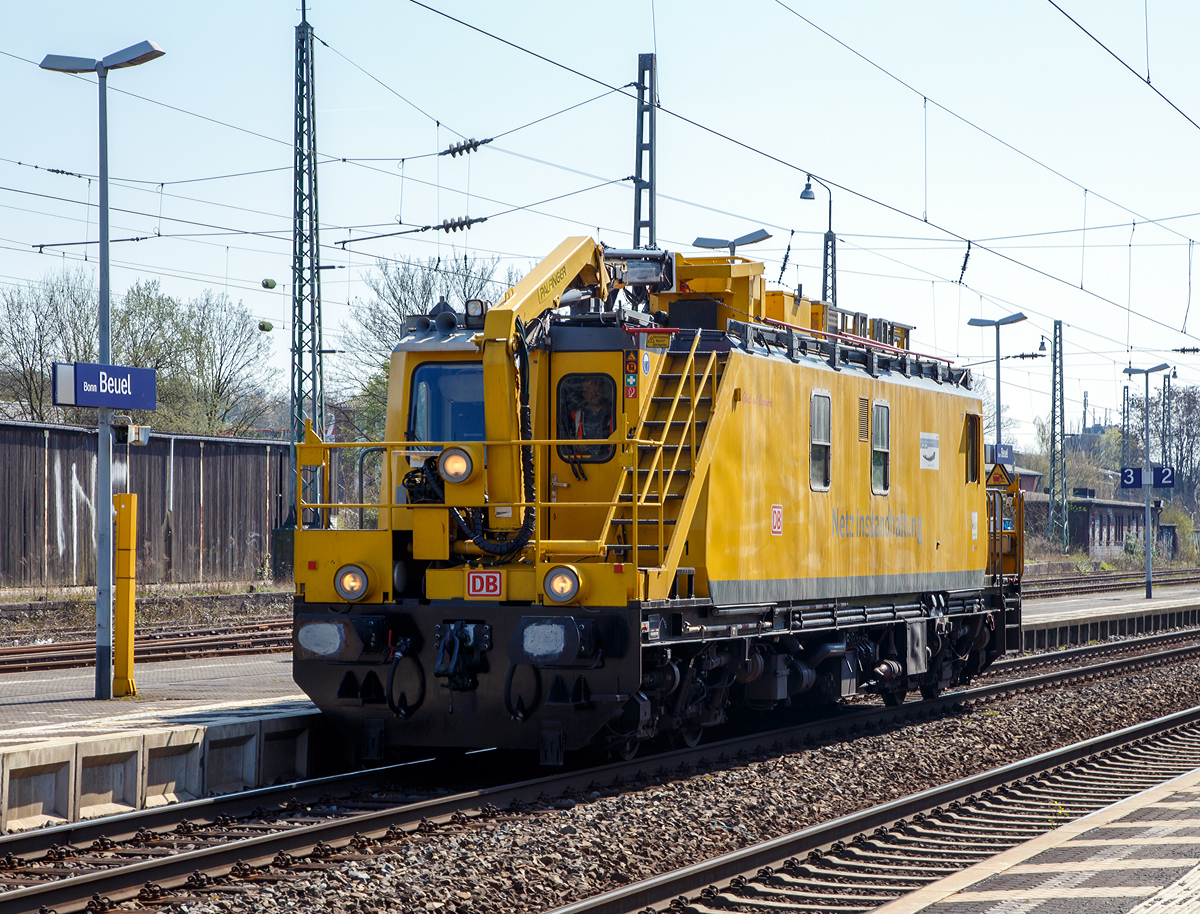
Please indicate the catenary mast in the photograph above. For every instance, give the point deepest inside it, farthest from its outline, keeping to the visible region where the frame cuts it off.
(307, 399)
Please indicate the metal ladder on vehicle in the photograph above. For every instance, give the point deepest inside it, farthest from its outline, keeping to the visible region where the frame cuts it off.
(661, 482)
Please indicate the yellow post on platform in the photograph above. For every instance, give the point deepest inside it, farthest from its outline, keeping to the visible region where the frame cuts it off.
(126, 542)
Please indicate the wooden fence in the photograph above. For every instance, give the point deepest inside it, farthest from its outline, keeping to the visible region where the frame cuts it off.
(206, 506)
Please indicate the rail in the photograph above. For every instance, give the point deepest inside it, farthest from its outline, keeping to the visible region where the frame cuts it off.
(116, 870)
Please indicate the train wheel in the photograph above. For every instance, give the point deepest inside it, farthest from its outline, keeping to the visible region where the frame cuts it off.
(894, 699)
(628, 749)
(931, 690)
(689, 734)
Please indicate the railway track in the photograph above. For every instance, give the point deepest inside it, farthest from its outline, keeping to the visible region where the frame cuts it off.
(265, 636)
(274, 634)
(167, 854)
(870, 858)
(1083, 584)
(1125, 646)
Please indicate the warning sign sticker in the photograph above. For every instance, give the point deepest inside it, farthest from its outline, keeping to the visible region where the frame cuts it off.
(631, 374)
(999, 477)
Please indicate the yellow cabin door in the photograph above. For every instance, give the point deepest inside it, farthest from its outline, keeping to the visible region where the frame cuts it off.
(587, 400)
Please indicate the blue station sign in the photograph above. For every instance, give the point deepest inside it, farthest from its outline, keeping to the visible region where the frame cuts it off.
(104, 386)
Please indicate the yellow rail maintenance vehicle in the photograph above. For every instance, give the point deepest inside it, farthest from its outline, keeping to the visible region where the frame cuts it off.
(643, 494)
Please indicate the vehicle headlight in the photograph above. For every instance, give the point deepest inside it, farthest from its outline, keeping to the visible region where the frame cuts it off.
(562, 584)
(476, 307)
(351, 582)
(455, 465)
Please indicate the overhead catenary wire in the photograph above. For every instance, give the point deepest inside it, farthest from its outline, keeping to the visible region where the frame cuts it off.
(749, 147)
(1118, 59)
(513, 209)
(685, 201)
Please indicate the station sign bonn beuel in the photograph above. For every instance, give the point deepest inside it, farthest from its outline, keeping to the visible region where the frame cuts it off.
(104, 386)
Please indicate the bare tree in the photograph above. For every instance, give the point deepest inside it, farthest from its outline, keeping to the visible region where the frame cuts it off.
(27, 344)
(42, 322)
(225, 358)
(987, 393)
(401, 289)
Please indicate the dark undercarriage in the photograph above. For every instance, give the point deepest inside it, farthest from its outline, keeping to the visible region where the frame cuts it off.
(395, 676)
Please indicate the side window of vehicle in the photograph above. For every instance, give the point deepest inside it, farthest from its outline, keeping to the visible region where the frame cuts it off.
(587, 407)
(419, 426)
(820, 441)
(881, 448)
(973, 436)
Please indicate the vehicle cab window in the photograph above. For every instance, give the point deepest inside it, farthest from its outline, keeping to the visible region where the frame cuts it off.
(447, 402)
(586, 410)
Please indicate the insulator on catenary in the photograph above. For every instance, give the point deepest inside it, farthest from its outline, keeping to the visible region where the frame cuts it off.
(464, 148)
(453, 225)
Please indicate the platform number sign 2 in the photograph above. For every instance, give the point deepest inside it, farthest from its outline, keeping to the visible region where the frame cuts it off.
(1164, 477)
(776, 520)
(1131, 477)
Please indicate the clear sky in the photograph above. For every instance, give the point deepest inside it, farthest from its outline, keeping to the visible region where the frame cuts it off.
(201, 157)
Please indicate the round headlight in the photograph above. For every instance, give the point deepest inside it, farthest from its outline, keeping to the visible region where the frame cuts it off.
(351, 582)
(562, 584)
(455, 465)
(476, 307)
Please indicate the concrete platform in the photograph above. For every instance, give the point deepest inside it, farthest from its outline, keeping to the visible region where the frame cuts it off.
(197, 728)
(1139, 856)
(1062, 621)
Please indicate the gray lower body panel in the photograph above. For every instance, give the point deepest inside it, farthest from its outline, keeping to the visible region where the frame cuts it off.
(781, 590)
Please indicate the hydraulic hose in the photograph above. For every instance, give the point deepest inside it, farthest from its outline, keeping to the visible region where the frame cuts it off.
(518, 542)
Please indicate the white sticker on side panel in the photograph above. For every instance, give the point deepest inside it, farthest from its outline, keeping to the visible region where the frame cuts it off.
(929, 451)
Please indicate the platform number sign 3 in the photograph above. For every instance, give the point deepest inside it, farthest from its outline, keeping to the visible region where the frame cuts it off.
(1164, 477)
(1131, 477)
(776, 520)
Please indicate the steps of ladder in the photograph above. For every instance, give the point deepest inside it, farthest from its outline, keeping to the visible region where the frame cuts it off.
(699, 423)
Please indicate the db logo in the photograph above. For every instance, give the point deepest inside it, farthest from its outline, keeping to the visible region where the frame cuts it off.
(485, 585)
(776, 520)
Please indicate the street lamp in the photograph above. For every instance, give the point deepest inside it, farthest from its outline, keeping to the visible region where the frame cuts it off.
(983, 322)
(1148, 472)
(829, 261)
(139, 53)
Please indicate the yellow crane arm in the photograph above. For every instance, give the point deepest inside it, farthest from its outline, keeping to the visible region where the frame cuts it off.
(576, 263)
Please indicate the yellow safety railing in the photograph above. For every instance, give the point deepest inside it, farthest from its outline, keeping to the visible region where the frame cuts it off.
(315, 455)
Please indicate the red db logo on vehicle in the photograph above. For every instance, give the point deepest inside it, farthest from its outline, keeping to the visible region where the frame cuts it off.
(776, 520)
(485, 585)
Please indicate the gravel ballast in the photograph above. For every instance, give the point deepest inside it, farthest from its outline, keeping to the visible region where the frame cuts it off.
(570, 848)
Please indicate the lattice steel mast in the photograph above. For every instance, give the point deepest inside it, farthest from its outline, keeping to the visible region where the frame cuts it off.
(1166, 420)
(1057, 516)
(1126, 450)
(829, 260)
(307, 374)
(643, 175)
